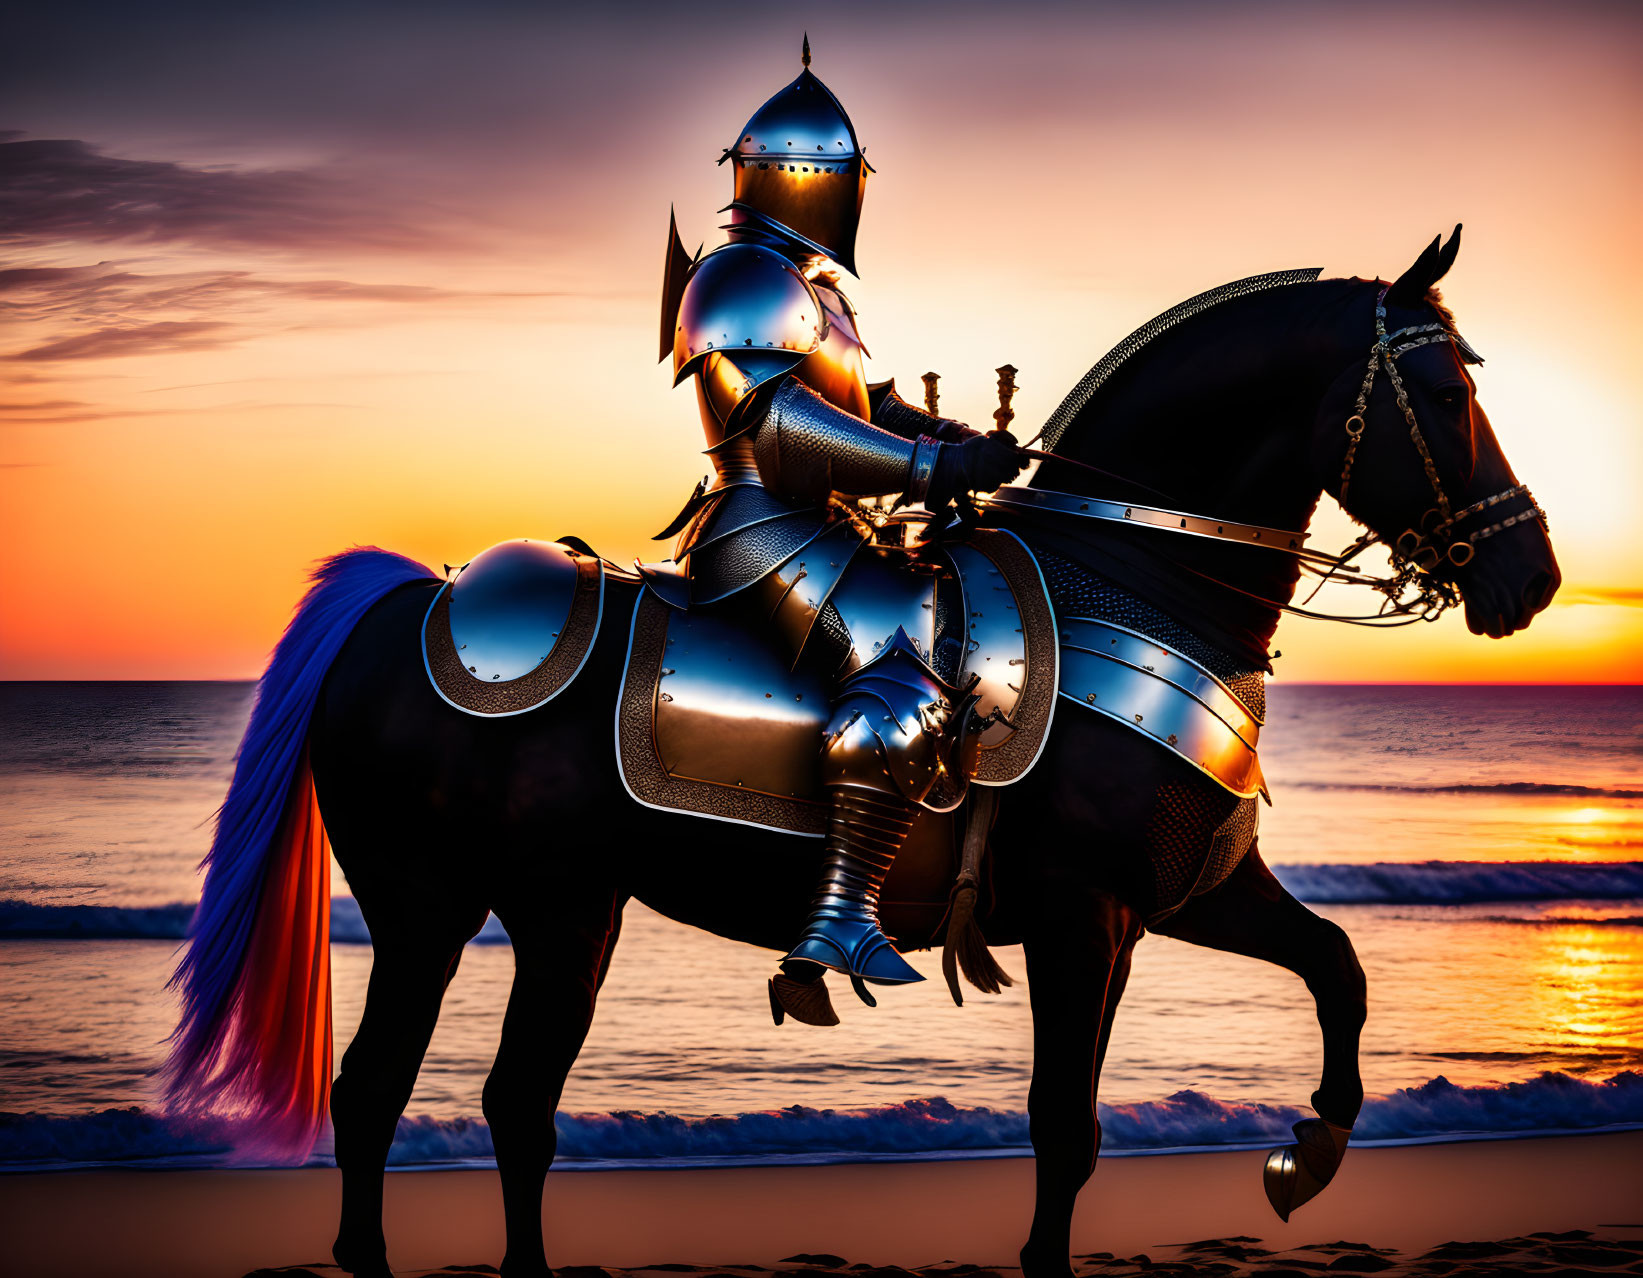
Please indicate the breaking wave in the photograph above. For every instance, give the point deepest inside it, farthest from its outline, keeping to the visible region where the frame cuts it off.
(929, 1128)
(1478, 787)
(1380, 883)
(1461, 882)
(25, 920)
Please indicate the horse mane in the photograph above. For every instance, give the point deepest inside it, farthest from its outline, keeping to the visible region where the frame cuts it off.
(1446, 317)
(1078, 398)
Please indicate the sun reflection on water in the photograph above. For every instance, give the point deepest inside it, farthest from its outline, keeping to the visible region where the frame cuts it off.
(1585, 981)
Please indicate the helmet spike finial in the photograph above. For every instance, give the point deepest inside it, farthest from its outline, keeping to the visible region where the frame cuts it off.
(805, 56)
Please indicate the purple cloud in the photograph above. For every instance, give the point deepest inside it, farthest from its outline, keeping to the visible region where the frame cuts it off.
(55, 189)
(141, 339)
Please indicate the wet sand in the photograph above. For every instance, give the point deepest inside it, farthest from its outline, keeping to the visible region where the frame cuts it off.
(1552, 1205)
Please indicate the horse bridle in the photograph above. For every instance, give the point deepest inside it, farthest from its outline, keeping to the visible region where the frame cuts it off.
(1422, 547)
(1413, 592)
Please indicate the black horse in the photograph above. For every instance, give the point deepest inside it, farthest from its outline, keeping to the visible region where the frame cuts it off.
(438, 818)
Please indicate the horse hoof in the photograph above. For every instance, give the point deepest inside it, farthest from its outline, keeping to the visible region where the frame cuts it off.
(1296, 1174)
(805, 1001)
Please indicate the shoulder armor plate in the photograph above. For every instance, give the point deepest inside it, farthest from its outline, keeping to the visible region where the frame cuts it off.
(744, 298)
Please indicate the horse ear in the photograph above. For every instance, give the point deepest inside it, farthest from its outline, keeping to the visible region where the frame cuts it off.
(1409, 290)
(1446, 258)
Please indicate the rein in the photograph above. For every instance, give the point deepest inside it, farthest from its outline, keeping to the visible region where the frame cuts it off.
(1412, 592)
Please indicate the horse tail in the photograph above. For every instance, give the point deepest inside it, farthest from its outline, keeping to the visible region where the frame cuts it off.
(253, 1038)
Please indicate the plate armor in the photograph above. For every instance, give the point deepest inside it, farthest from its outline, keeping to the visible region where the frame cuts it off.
(796, 435)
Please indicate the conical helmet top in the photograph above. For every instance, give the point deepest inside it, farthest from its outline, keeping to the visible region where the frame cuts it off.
(798, 164)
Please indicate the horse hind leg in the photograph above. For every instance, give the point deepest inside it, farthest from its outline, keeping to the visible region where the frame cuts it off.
(1078, 960)
(1252, 914)
(562, 947)
(410, 970)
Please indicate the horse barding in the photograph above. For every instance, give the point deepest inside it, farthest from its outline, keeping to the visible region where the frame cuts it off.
(1170, 512)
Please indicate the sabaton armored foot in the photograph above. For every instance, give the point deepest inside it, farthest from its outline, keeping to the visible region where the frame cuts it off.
(1296, 1174)
(866, 830)
(896, 731)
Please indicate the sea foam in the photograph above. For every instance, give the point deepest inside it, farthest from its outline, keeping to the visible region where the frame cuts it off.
(922, 1128)
(1377, 883)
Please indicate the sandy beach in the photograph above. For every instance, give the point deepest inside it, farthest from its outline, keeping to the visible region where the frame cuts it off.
(1395, 1205)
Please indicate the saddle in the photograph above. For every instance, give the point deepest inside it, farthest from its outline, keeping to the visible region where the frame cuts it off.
(715, 719)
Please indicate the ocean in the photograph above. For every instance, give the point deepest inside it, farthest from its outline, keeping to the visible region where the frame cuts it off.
(1482, 845)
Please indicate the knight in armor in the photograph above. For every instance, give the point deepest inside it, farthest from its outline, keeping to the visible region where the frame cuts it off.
(797, 438)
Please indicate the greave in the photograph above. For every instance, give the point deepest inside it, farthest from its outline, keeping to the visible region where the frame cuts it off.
(866, 829)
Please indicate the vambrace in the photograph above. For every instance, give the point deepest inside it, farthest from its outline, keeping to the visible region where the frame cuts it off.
(807, 448)
(896, 415)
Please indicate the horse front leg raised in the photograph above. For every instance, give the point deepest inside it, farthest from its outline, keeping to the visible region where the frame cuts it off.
(562, 944)
(1252, 914)
(1078, 958)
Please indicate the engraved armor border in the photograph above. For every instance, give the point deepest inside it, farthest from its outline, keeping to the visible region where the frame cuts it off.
(1035, 711)
(640, 764)
(1056, 424)
(456, 687)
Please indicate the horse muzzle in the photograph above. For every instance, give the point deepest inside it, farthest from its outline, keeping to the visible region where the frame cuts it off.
(1510, 579)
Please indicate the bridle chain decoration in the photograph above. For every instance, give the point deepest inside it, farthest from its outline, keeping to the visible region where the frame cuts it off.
(1421, 547)
(1412, 592)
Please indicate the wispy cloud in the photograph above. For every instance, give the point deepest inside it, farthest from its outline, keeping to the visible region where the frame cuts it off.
(57, 189)
(76, 412)
(1613, 596)
(138, 313)
(161, 337)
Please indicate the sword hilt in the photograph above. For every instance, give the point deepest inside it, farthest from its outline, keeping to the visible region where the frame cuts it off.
(931, 395)
(1006, 392)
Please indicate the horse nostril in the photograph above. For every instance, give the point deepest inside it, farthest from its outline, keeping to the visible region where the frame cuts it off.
(1538, 592)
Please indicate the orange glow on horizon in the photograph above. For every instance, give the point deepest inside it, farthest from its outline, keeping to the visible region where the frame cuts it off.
(476, 363)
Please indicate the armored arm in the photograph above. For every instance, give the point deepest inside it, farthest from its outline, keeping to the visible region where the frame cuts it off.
(896, 415)
(806, 447)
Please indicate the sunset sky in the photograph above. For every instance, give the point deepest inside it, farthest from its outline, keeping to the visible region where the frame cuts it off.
(279, 280)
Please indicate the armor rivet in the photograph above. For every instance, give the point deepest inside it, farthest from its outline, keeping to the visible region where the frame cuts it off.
(1138, 718)
(473, 670)
(1090, 697)
(1171, 738)
(767, 696)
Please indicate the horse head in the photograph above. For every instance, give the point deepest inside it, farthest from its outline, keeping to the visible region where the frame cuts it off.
(1422, 467)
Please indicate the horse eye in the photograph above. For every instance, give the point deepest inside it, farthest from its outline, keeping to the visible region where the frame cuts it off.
(1450, 396)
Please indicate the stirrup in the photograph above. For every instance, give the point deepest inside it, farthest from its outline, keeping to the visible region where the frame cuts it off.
(1296, 1174)
(805, 1001)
